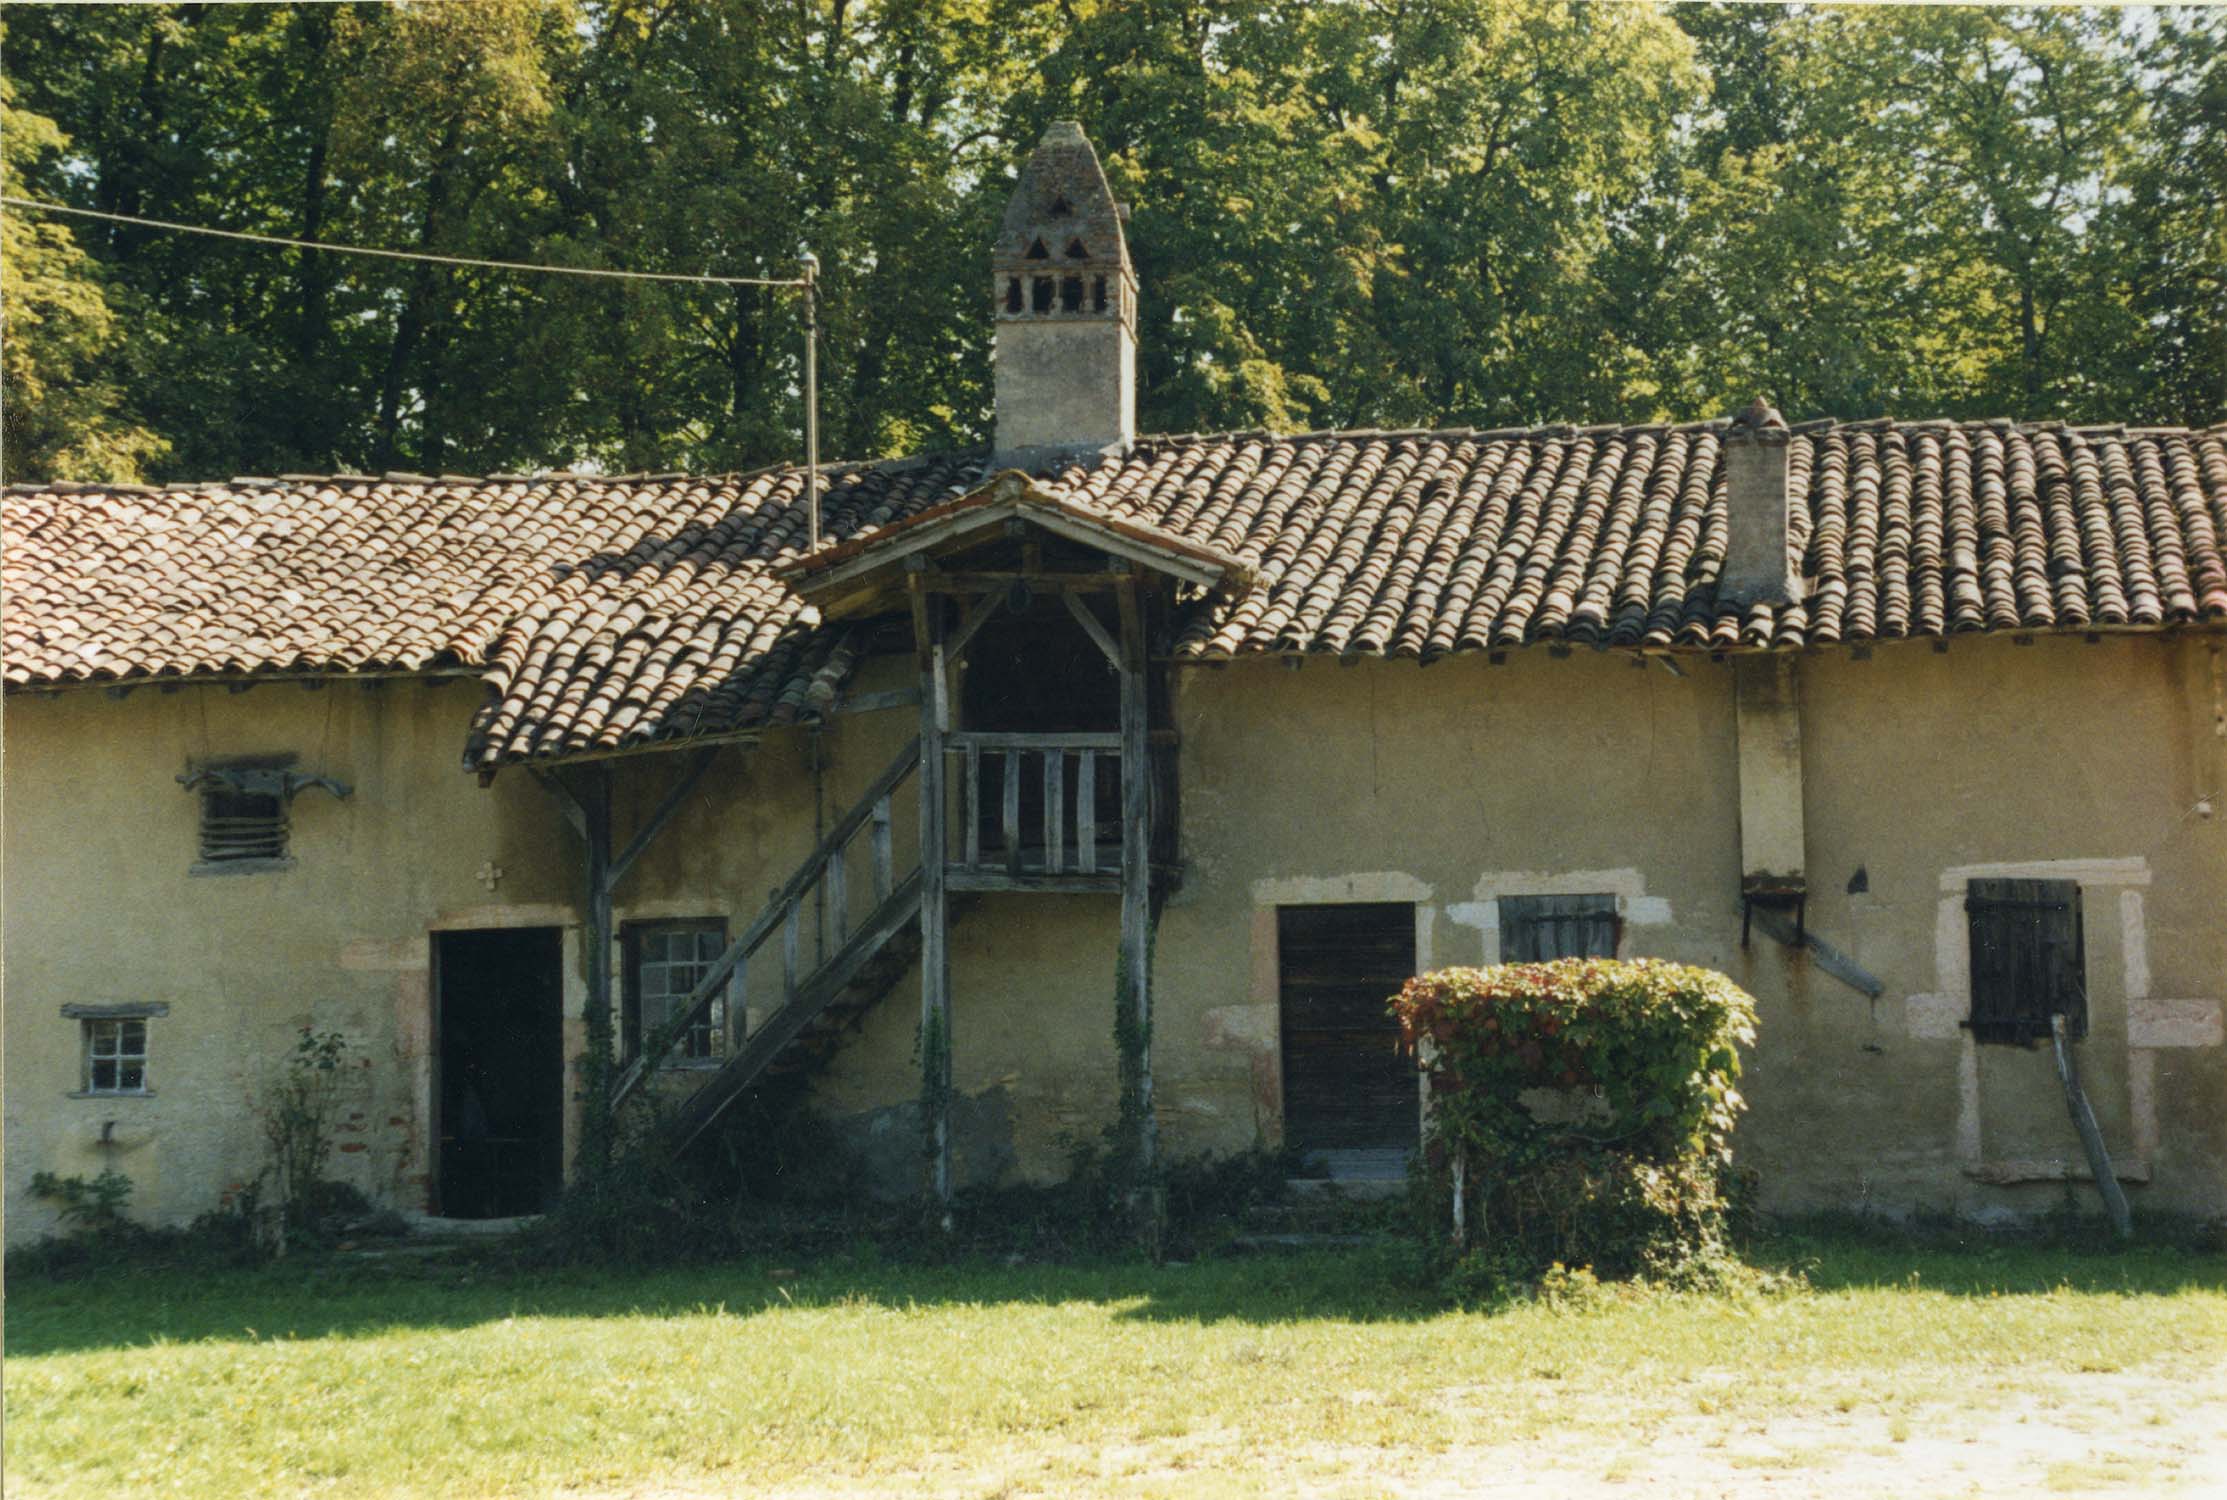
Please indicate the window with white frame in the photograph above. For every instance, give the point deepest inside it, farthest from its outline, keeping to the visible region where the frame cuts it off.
(115, 1055)
(665, 961)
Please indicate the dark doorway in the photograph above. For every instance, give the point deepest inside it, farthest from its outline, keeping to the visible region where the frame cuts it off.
(501, 1081)
(1351, 1100)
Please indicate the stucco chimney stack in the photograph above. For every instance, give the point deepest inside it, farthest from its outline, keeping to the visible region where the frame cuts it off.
(1757, 567)
(1065, 303)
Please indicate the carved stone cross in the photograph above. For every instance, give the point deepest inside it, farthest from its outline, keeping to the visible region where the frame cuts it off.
(489, 874)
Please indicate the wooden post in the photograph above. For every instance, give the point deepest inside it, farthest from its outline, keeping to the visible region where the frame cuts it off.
(2091, 1138)
(935, 953)
(594, 797)
(1136, 869)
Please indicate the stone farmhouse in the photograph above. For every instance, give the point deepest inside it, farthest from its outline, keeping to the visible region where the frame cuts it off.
(539, 786)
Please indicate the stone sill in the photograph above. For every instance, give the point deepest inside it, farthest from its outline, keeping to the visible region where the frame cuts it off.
(241, 866)
(2007, 1173)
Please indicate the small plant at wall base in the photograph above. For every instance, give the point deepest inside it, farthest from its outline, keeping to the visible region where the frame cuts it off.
(86, 1205)
(299, 1113)
(1581, 1113)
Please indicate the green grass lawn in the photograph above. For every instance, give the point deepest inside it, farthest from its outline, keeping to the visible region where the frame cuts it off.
(1322, 1374)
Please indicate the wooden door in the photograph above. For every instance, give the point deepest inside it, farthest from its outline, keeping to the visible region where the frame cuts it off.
(1351, 1099)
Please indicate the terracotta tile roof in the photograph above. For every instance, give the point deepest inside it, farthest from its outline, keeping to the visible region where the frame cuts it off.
(603, 612)
(606, 613)
(1422, 543)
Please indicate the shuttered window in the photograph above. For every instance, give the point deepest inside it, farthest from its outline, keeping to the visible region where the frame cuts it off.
(239, 825)
(2028, 961)
(1534, 929)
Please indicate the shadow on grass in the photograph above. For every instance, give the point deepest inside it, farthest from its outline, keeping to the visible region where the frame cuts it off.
(346, 1297)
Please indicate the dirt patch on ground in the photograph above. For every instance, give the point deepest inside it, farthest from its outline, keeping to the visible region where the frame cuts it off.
(2117, 1433)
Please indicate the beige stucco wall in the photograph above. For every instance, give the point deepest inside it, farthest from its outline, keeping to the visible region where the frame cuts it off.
(1445, 786)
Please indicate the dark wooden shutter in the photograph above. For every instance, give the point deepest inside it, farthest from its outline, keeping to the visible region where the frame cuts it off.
(1534, 929)
(1347, 1085)
(2028, 958)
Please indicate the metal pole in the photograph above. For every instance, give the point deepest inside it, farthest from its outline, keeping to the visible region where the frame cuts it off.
(812, 393)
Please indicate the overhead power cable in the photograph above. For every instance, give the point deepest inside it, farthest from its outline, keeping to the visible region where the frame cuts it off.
(438, 260)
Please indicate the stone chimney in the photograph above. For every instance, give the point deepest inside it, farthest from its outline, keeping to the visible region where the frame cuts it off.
(1066, 309)
(1757, 569)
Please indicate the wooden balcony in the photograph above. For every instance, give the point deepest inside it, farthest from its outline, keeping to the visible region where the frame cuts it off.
(1039, 812)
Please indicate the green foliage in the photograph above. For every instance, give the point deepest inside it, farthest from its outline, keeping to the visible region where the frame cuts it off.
(98, 1237)
(61, 355)
(298, 1111)
(1346, 214)
(87, 1206)
(1589, 1104)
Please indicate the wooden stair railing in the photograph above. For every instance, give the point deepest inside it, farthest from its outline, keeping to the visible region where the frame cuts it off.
(803, 995)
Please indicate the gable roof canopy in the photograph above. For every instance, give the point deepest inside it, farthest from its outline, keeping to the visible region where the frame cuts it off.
(866, 574)
(615, 613)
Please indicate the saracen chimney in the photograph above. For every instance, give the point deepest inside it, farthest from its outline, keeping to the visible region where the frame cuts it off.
(1066, 309)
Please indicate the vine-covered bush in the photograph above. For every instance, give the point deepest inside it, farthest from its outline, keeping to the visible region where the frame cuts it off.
(1582, 1109)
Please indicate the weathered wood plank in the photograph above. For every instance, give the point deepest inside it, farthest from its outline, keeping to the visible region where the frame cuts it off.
(2091, 1136)
(1099, 635)
(997, 741)
(1009, 816)
(935, 952)
(958, 878)
(1055, 779)
(1086, 811)
(884, 856)
(1136, 860)
(972, 794)
(662, 814)
(954, 650)
(791, 923)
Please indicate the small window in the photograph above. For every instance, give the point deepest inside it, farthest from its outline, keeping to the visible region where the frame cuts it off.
(1535, 929)
(239, 825)
(665, 961)
(1075, 250)
(1040, 294)
(1012, 294)
(1061, 208)
(115, 1056)
(1036, 251)
(2028, 959)
(1098, 294)
(1071, 294)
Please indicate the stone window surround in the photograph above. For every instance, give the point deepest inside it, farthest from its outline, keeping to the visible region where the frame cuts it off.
(2153, 1022)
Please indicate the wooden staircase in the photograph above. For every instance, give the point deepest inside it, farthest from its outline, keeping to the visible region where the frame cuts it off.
(858, 968)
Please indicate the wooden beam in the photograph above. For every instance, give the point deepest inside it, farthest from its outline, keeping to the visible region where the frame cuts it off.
(955, 649)
(935, 916)
(1097, 632)
(995, 740)
(998, 880)
(990, 580)
(662, 813)
(1136, 865)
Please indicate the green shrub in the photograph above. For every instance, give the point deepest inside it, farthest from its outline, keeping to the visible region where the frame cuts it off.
(1628, 1169)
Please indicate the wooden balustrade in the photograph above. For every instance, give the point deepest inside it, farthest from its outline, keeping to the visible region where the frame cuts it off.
(823, 871)
(1038, 827)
